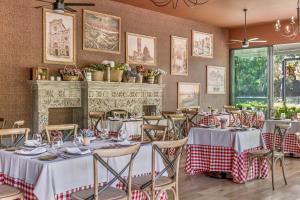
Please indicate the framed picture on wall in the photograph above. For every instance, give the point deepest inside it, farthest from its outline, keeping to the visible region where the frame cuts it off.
(216, 80)
(59, 37)
(101, 32)
(179, 55)
(202, 44)
(188, 95)
(140, 49)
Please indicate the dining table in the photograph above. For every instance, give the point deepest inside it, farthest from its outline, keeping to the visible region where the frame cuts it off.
(212, 149)
(57, 179)
(292, 139)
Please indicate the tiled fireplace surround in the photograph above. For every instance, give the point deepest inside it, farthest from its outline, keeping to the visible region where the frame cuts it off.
(90, 96)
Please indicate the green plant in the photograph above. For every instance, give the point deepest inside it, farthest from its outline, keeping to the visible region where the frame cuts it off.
(120, 66)
(98, 67)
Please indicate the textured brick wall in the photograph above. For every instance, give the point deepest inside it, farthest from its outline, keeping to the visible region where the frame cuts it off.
(21, 49)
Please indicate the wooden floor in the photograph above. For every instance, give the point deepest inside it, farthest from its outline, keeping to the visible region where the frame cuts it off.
(200, 187)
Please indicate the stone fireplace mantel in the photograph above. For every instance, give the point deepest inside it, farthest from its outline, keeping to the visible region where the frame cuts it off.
(91, 96)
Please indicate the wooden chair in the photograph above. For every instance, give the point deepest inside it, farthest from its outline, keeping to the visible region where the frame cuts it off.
(235, 118)
(153, 132)
(166, 113)
(118, 113)
(177, 126)
(273, 155)
(71, 127)
(248, 118)
(191, 114)
(158, 181)
(154, 120)
(95, 118)
(2, 123)
(10, 193)
(16, 135)
(107, 192)
(18, 124)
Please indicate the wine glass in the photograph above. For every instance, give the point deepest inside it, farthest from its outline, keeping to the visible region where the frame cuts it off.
(38, 138)
(77, 141)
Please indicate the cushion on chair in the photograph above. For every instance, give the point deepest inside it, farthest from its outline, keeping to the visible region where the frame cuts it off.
(138, 181)
(260, 152)
(8, 191)
(110, 193)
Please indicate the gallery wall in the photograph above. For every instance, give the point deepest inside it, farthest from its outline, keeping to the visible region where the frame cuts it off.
(22, 48)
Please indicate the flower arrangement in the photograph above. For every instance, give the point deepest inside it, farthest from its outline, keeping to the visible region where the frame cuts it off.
(71, 71)
(131, 72)
(150, 73)
(87, 133)
(160, 72)
(120, 66)
(140, 69)
(98, 67)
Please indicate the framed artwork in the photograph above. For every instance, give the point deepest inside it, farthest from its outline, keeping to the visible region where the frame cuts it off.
(179, 55)
(59, 38)
(188, 95)
(202, 44)
(101, 32)
(140, 49)
(216, 80)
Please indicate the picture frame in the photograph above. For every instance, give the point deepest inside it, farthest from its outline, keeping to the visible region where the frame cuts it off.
(202, 44)
(140, 49)
(101, 32)
(179, 56)
(59, 38)
(188, 95)
(216, 80)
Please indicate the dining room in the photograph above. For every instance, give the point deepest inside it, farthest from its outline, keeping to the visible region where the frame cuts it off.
(149, 99)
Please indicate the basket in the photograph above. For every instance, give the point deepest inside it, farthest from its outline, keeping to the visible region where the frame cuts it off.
(116, 75)
(70, 78)
(97, 76)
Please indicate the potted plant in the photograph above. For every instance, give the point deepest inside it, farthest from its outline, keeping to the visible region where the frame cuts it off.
(117, 71)
(150, 75)
(71, 73)
(160, 73)
(140, 69)
(87, 135)
(131, 75)
(87, 72)
(52, 76)
(98, 71)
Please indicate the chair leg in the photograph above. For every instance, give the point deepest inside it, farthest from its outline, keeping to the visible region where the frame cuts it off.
(250, 162)
(283, 171)
(272, 168)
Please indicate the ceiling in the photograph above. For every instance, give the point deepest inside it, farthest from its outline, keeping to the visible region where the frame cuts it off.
(227, 13)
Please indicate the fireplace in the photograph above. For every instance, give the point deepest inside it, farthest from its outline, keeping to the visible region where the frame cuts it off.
(73, 100)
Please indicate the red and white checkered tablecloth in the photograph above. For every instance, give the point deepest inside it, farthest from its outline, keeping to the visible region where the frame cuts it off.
(29, 195)
(291, 144)
(206, 158)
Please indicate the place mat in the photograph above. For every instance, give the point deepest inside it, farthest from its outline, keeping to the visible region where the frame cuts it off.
(47, 157)
(13, 148)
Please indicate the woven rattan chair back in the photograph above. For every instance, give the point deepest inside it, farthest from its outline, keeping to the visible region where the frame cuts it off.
(16, 135)
(95, 118)
(153, 132)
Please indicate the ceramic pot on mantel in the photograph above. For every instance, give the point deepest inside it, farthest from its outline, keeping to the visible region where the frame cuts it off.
(131, 79)
(150, 79)
(159, 79)
(139, 78)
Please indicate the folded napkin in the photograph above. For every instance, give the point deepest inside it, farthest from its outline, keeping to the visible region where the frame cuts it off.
(125, 142)
(32, 143)
(76, 150)
(38, 150)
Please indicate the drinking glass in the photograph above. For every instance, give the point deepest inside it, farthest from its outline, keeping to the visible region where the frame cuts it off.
(38, 138)
(78, 141)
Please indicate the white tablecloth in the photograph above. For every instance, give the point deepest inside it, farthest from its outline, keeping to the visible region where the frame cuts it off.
(55, 177)
(239, 140)
(270, 125)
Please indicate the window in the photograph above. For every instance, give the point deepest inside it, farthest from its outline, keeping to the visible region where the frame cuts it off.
(249, 78)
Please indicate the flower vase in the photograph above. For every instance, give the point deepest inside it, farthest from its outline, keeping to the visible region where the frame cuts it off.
(88, 76)
(150, 79)
(86, 141)
(139, 78)
(131, 79)
(108, 74)
(159, 79)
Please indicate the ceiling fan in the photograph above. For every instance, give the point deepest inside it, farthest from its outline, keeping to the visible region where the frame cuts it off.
(60, 6)
(246, 42)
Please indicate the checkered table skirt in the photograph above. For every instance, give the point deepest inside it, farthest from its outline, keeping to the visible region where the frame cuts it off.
(291, 144)
(29, 195)
(206, 158)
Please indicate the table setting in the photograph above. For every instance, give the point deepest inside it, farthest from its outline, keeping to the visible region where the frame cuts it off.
(66, 167)
(215, 149)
